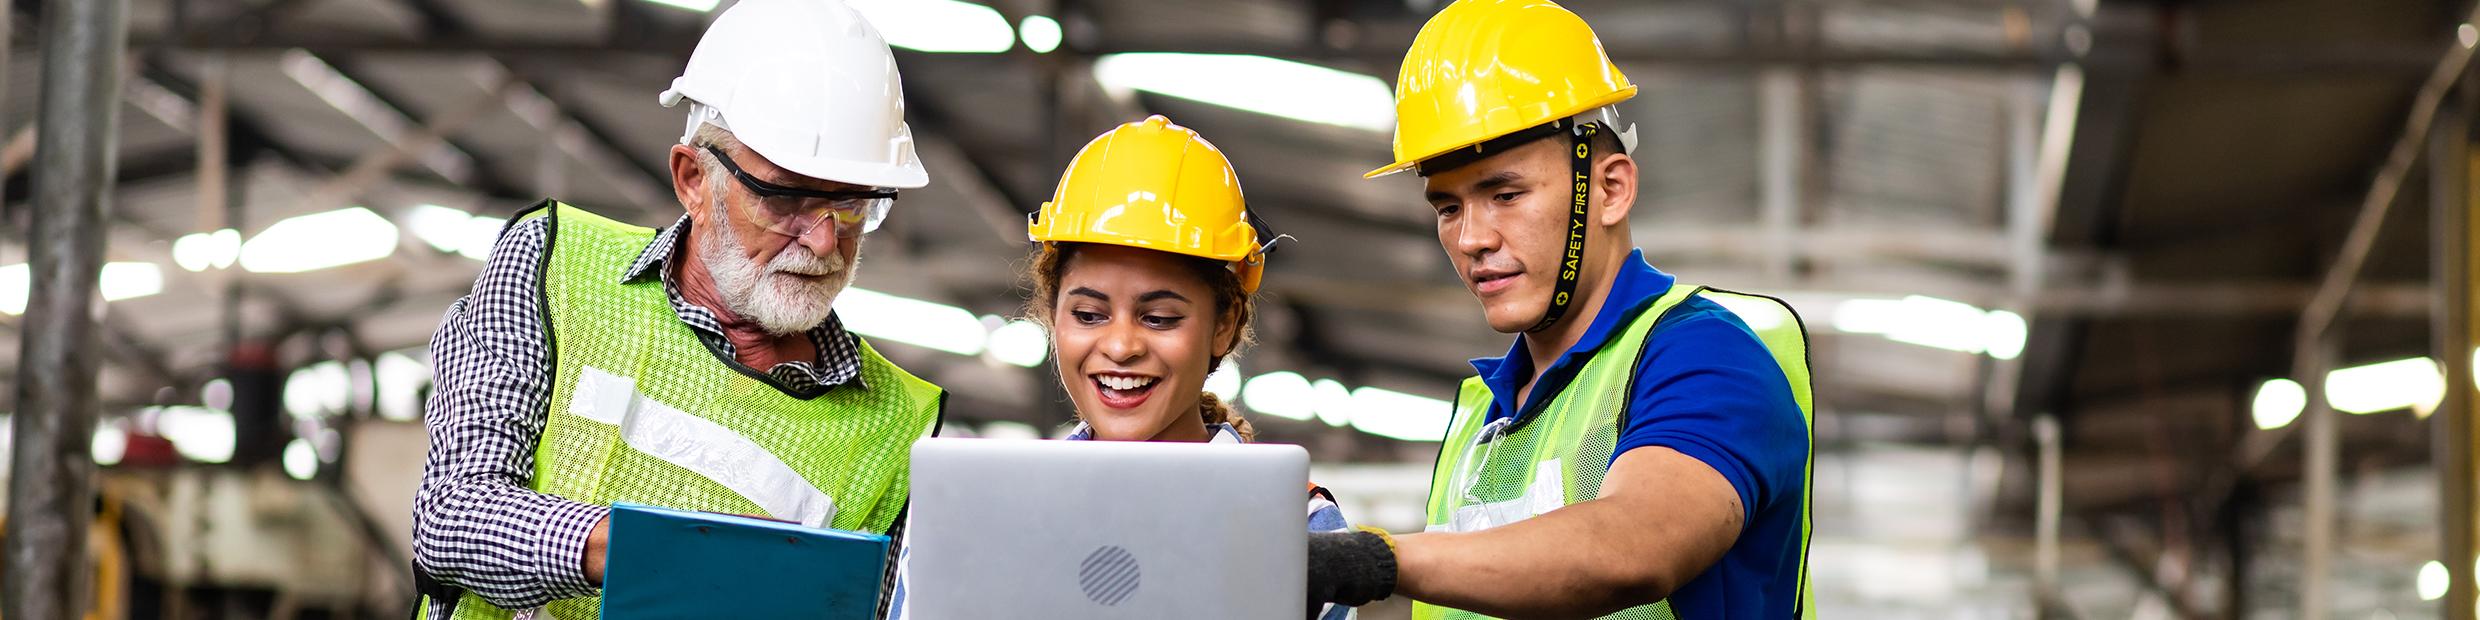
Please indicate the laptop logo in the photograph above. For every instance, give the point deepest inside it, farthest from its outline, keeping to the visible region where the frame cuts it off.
(1110, 574)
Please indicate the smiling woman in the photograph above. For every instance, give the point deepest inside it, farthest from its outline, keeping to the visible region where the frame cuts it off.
(1137, 332)
(1144, 276)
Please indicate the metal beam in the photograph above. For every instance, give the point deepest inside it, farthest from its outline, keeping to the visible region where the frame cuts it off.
(2453, 231)
(479, 174)
(52, 469)
(2314, 344)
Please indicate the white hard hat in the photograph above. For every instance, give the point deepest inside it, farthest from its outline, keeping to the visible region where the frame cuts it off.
(809, 85)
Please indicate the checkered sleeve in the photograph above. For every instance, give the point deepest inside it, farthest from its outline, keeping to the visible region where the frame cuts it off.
(477, 527)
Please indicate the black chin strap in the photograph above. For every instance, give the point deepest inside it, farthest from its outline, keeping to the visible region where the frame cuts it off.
(1571, 266)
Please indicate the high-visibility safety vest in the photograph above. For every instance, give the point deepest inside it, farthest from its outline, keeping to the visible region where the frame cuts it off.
(1539, 462)
(642, 412)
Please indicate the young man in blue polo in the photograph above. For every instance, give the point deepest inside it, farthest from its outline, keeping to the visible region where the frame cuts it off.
(1640, 451)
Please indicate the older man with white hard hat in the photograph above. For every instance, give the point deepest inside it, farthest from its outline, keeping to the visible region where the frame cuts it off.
(700, 366)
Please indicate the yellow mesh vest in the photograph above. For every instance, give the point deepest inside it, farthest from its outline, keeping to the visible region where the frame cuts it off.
(642, 412)
(1560, 454)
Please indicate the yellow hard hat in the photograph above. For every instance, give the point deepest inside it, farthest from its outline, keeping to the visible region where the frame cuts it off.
(1154, 185)
(1483, 69)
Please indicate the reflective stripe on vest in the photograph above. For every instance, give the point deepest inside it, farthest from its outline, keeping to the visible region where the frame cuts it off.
(1492, 473)
(641, 411)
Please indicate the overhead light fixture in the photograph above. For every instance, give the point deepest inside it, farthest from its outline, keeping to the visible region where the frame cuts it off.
(454, 231)
(1333, 402)
(320, 241)
(130, 280)
(2413, 383)
(198, 433)
(938, 26)
(1022, 343)
(117, 281)
(1040, 33)
(481, 234)
(300, 460)
(2433, 580)
(2277, 403)
(1397, 415)
(318, 390)
(208, 250)
(1260, 84)
(400, 379)
(1935, 323)
(1224, 383)
(110, 444)
(701, 6)
(1283, 394)
(911, 321)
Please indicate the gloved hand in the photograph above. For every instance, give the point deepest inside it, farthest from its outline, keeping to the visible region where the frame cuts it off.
(1350, 568)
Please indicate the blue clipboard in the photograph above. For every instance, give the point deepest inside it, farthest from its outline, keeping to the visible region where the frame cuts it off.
(666, 563)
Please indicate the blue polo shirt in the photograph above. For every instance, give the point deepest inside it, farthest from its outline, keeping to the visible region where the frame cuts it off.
(1707, 388)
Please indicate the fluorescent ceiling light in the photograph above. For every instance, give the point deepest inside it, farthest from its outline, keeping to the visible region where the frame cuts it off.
(1258, 84)
(117, 281)
(1224, 383)
(2277, 403)
(400, 379)
(1282, 394)
(1022, 343)
(2003, 334)
(204, 251)
(1040, 32)
(481, 234)
(938, 25)
(199, 433)
(911, 321)
(319, 241)
(455, 231)
(2413, 383)
(1333, 402)
(130, 280)
(110, 444)
(700, 6)
(442, 227)
(300, 460)
(1397, 415)
(318, 390)
(2433, 580)
(1936, 323)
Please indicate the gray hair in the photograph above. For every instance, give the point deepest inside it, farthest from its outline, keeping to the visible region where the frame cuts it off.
(717, 178)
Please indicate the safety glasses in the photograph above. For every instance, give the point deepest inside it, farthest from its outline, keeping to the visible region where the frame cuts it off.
(793, 211)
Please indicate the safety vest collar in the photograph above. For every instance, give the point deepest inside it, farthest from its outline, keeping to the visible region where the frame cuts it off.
(1632, 291)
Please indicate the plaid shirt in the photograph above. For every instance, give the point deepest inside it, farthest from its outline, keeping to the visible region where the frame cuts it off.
(476, 525)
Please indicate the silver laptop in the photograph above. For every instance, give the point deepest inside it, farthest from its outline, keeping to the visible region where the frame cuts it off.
(1098, 529)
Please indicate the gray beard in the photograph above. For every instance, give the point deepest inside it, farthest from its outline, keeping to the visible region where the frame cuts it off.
(779, 303)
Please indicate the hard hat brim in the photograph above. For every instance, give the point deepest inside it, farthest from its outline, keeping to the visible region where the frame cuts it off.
(1588, 105)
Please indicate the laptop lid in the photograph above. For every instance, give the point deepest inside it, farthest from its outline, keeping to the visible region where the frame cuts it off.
(1096, 529)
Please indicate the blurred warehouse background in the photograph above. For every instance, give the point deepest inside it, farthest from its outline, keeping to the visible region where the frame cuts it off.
(2120, 309)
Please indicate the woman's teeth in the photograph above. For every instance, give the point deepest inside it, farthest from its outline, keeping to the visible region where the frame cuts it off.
(1123, 383)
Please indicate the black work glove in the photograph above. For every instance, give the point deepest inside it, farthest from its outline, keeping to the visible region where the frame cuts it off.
(1349, 568)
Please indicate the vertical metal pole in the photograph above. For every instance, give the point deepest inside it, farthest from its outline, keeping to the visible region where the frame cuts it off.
(2451, 169)
(2049, 504)
(1779, 142)
(51, 483)
(214, 143)
(2323, 447)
